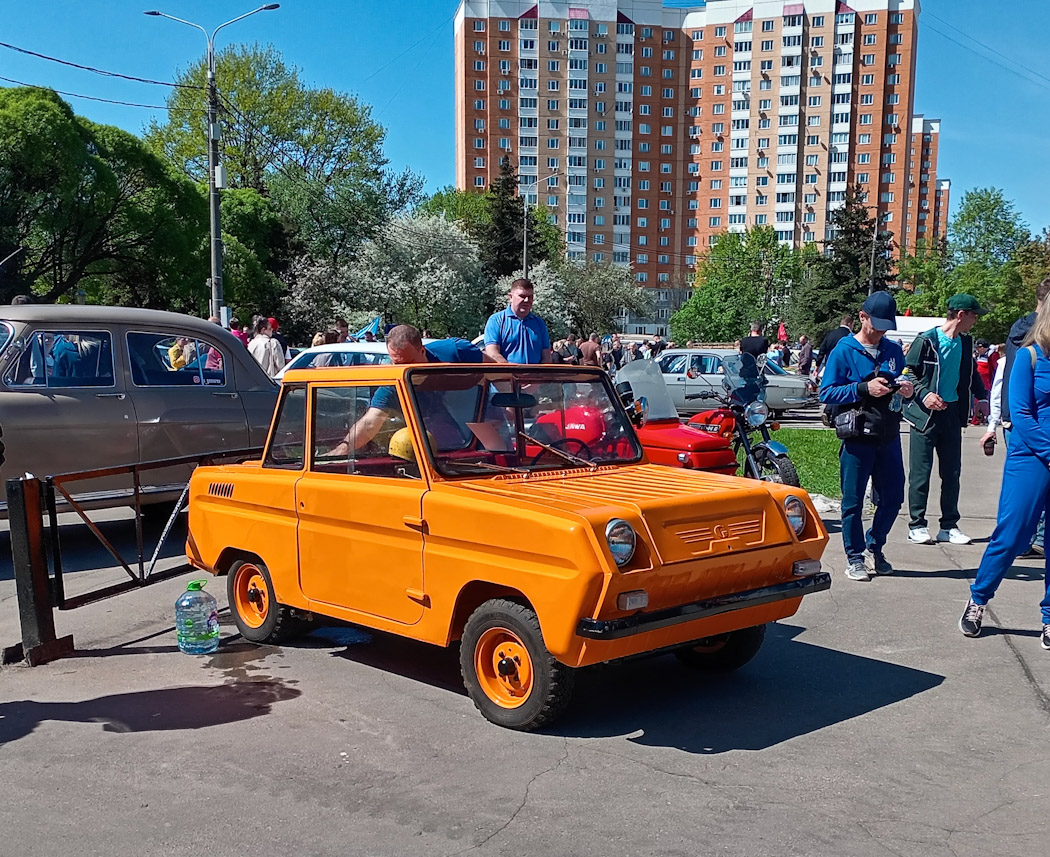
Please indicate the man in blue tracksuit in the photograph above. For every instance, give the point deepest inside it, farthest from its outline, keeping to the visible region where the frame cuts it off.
(860, 379)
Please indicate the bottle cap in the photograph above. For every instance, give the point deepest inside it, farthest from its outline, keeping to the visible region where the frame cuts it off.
(195, 585)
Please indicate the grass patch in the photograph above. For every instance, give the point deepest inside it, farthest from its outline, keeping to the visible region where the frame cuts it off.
(815, 454)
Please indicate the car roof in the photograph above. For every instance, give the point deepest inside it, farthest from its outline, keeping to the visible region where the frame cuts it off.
(387, 372)
(78, 314)
(360, 347)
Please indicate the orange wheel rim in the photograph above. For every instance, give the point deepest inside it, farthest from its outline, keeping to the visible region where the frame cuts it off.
(503, 667)
(251, 597)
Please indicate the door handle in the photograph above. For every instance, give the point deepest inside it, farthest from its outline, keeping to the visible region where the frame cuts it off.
(120, 396)
(415, 523)
(226, 395)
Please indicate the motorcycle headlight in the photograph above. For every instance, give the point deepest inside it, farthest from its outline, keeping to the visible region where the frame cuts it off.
(796, 514)
(756, 414)
(621, 539)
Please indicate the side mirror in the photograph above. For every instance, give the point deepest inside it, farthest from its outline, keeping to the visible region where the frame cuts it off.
(639, 411)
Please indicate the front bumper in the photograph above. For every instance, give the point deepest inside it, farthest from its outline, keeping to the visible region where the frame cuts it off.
(640, 623)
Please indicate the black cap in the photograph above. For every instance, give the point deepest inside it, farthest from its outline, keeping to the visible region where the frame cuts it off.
(984, 342)
(882, 309)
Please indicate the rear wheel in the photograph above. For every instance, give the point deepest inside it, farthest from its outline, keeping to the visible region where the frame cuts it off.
(725, 652)
(258, 616)
(508, 672)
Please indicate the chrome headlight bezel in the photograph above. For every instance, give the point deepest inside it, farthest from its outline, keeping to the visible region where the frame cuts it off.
(622, 540)
(796, 513)
(756, 414)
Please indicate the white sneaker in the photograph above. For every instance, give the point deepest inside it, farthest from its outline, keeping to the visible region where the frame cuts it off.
(920, 536)
(857, 571)
(955, 536)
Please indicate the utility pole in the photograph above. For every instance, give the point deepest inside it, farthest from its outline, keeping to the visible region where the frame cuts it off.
(525, 235)
(216, 175)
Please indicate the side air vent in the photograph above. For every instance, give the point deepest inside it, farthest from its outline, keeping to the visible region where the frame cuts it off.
(221, 489)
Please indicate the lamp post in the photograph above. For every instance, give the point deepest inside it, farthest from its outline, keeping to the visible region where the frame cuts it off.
(525, 226)
(879, 219)
(215, 183)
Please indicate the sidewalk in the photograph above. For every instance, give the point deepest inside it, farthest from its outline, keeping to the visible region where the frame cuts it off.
(867, 725)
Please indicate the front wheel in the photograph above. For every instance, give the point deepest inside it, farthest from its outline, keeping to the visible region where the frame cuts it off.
(258, 616)
(780, 469)
(725, 652)
(509, 674)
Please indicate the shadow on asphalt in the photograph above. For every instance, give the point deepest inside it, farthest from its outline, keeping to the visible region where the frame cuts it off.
(790, 689)
(1015, 572)
(166, 709)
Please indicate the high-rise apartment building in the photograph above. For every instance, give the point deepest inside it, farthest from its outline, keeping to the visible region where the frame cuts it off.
(926, 217)
(647, 131)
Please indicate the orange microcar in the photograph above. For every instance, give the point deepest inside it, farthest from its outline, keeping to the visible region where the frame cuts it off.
(509, 508)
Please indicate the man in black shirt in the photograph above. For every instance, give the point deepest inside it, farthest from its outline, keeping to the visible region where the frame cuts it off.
(844, 329)
(756, 344)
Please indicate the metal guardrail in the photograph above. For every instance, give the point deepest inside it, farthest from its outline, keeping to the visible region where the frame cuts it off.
(36, 549)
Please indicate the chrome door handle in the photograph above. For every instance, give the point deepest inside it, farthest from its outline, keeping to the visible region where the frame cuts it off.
(120, 396)
(226, 395)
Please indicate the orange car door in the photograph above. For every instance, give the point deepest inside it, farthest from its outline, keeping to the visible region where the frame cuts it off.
(360, 511)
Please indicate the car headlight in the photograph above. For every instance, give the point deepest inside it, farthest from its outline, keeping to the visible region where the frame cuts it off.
(796, 514)
(756, 414)
(621, 539)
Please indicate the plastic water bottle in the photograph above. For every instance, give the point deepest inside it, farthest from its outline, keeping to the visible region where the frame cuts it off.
(197, 620)
(897, 402)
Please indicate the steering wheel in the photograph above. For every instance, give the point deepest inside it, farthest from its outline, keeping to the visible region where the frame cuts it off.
(581, 450)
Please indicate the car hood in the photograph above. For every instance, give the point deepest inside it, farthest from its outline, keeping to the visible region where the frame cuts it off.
(688, 514)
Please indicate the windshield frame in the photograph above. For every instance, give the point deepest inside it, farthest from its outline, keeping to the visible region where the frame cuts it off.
(519, 374)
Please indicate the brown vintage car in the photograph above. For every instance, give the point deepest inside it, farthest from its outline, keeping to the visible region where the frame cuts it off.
(89, 387)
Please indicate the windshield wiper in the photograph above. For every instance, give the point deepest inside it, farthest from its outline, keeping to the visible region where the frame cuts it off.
(484, 465)
(561, 453)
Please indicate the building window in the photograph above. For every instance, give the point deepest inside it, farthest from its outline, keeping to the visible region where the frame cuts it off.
(479, 26)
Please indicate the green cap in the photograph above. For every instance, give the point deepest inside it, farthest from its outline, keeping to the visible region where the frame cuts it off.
(195, 585)
(965, 303)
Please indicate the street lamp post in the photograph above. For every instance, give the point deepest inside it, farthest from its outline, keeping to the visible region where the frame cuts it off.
(879, 219)
(214, 133)
(525, 226)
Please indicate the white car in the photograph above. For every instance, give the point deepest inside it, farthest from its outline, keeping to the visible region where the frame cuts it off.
(688, 371)
(338, 354)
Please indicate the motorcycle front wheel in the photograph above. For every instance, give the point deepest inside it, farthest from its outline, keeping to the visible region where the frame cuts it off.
(780, 470)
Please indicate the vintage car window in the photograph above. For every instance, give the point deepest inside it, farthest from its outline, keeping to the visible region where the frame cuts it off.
(173, 360)
(320, 359)
(6, 334)
(335, 445)
(711, 365)
(674, 364)
(484, 422)
(63, 358)
(288, 439)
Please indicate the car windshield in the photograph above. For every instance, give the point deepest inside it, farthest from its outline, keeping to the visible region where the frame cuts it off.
(319, 359)
(484, 422)
(646, 380)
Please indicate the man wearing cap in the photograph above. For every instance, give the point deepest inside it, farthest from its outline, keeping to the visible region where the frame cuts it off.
(860, 377)
(986, 358)
(941, 363)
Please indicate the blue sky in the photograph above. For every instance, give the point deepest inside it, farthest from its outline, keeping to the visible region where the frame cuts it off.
(994, 120)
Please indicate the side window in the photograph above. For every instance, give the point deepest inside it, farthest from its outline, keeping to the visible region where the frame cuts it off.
(674, 364)
(345, 441)
(711, 365)
(288, 442)
(64, 358)
(171, 360)
(696, 364)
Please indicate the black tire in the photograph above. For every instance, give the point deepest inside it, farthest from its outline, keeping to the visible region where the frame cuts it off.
(551, 684)
(725, 652)
(781, 470)
(278, 624)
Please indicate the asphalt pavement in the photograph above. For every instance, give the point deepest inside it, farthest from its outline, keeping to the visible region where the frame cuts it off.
(867, 725)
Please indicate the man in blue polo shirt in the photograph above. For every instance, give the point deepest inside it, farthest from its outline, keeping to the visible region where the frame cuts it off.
(404, 344)
(515, 335)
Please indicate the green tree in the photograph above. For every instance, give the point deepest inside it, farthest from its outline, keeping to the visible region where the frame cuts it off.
(986, 228)
(857, 250)
(467, 207)
(743, 278)
(93, 208)
(318, 153)
(926, 278)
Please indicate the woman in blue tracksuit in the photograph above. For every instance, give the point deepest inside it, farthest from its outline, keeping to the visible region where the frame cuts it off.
(1026, 478)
